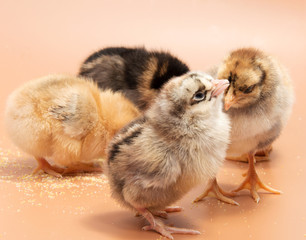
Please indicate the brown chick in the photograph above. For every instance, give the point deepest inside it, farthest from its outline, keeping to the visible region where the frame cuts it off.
(258, 101)
(180, 141)
(65, 119)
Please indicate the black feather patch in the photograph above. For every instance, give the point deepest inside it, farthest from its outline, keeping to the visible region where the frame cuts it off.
(113, 152)
(134, 73)
(174, 68)
(128, 140)
(125, 141)
(135, 59)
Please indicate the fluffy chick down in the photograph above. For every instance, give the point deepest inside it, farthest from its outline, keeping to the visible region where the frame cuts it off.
(66, 119)
(179, 142)
(136, 72)
(259, 99)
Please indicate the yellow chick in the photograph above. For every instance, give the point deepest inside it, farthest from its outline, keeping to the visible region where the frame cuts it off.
(65, 119)
(258, 101)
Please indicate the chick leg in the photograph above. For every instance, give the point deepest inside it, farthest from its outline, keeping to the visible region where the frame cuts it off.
(252, 182)
(47, 168)
(164, 213)
(160, 227)
(213, 190)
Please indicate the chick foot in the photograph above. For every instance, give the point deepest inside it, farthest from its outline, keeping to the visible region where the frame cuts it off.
(252, 181)
(213, 190)
(158, 226)
(47, 168)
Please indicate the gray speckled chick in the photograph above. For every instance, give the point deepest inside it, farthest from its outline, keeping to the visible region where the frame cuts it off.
(179, 142)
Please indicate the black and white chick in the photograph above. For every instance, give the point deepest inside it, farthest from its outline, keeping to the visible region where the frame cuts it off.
(136, 72)
(179, 142)
(259, 102)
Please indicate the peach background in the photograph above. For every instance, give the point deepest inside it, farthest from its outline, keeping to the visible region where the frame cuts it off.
(42, 37)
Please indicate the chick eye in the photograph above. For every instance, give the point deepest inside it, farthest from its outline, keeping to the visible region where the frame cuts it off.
(249, 89)
(199, 96)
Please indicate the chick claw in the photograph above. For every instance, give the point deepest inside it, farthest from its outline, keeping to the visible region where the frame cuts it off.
(166, 231)
(158, 226)
(47, 168)
(213, 190)
(252, 181)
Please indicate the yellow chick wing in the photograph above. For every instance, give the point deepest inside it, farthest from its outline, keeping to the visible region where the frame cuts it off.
(77, 112)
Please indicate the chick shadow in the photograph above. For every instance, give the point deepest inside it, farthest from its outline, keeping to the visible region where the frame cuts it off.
(125, 225)
(210, 211)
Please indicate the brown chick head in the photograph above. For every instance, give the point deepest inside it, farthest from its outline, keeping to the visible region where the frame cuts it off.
(247, 70)
(190, 93)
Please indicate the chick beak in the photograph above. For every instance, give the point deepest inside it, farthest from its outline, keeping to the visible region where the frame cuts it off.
(220, 85)
(229, 100)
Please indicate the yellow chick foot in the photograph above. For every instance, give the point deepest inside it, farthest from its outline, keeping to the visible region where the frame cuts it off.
(213, 190)
(158, 226)
(252, 181)
(47, 168)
